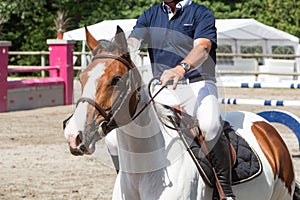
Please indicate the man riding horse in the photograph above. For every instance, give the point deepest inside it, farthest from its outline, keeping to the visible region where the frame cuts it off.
(182, 41)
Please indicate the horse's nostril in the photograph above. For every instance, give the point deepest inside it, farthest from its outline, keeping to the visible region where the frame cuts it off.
(79, 138)
(82, 148)
(79, 148)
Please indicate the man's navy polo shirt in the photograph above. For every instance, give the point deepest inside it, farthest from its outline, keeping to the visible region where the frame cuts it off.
(169, 41)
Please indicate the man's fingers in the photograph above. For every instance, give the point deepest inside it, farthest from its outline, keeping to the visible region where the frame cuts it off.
(175, 82)
(165, 77)
(169, 75)
(163, 81)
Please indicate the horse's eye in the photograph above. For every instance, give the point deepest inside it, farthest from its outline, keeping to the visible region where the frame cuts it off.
(115, 80)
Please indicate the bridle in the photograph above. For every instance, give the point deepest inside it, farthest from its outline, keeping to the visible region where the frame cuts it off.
(105, 113)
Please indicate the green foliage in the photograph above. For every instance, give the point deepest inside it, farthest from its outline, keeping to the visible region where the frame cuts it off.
(281, 14)
(29, 23)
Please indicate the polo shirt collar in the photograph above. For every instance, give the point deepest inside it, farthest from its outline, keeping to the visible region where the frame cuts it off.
(180, 5)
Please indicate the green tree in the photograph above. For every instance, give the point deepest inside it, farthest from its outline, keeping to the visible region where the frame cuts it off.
(27, 26)
(281, 14)
(29, 23)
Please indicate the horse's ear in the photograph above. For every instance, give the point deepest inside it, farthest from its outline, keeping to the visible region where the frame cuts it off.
(120, 41)
(91, 42)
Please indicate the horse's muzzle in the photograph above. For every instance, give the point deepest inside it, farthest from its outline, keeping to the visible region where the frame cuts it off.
(80, 150)
(76, 151)
(77, 147)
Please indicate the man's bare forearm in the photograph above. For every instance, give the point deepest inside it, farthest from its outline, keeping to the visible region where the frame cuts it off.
(199, 53)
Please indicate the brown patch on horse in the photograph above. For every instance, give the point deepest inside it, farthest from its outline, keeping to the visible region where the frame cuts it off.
(275, 151)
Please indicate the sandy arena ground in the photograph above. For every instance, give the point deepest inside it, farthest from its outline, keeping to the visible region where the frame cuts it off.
(35, 162)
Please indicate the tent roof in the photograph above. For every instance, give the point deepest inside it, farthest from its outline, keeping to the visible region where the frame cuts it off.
(102, 30)
(236, 29)
(250, 29)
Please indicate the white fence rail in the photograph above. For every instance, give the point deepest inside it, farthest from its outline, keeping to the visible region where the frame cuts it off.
(243, 67)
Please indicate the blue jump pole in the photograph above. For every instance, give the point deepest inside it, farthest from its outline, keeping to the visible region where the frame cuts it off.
(287, 85)
(260, 102)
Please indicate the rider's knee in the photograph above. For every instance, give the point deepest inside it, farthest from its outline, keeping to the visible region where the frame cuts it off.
(211, 130)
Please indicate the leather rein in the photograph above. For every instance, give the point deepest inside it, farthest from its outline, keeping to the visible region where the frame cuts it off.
(107, 113)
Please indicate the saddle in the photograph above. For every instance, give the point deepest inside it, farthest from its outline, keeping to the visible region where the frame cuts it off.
(246, 164)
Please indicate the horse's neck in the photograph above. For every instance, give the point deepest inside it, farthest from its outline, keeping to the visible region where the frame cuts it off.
(146, 145)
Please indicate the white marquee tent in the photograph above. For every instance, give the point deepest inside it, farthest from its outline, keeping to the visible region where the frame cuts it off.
(102, 30)
(249, 32)
(234, 32)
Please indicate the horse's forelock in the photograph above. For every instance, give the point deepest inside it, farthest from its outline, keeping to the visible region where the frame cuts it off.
(104, 45)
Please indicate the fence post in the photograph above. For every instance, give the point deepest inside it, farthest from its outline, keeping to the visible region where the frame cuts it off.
(61, 55)
(4, 45)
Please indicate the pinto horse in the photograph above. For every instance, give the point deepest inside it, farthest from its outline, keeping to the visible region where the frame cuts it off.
(154, 162)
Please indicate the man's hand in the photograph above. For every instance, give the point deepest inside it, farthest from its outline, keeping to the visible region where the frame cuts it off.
(174, 74)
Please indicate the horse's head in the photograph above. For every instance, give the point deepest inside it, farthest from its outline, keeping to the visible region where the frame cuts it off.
(110, 92)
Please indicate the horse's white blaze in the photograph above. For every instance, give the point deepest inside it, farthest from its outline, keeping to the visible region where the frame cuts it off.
(76, 123)
(78, 120)
(90, 87)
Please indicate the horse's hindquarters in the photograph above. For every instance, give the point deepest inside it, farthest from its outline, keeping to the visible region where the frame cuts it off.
(277, 178)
